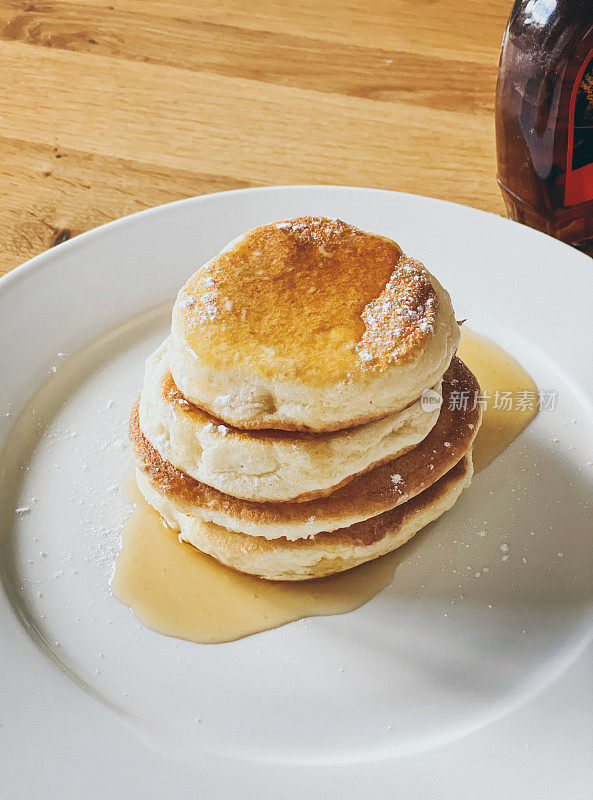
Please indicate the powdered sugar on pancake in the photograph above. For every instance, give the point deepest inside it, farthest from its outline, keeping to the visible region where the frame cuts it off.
(400, 322)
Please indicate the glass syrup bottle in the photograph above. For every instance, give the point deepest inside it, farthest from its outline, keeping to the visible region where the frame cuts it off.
(544, 118)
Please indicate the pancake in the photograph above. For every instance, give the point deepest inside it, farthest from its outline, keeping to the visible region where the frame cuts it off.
(365, 496)
(326, 553)
(309, 324)
(268, 465)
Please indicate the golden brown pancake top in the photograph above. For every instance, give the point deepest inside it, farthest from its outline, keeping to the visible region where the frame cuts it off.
(310, 298)
(368, 494)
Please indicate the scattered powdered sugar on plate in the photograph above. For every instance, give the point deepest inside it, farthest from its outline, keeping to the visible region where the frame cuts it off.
(21, 510)
(59, 359)
(85, 538)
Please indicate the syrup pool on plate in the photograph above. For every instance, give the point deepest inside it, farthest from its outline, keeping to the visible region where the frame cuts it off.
(175, 589)
(509, 392)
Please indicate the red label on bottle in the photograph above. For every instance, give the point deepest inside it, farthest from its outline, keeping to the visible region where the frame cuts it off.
(579, 162)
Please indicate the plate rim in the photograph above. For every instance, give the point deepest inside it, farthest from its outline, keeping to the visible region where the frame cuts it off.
(57, 251)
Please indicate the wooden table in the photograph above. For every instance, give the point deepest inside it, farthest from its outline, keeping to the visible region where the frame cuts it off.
(111, 106)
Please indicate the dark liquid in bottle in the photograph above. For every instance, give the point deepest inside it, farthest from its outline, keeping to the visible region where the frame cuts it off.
(544, 118)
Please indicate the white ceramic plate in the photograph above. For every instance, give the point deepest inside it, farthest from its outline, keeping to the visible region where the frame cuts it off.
(444, 685)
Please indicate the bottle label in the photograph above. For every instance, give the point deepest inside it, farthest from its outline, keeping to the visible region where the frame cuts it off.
(579, 166)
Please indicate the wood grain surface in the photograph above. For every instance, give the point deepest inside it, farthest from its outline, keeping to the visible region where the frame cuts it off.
(111, 106)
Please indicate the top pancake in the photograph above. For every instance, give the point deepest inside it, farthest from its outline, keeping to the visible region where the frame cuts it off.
(310, 324)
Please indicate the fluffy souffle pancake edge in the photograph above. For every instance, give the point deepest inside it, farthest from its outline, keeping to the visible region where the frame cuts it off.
(310, 324)
(268, 465)
(366, 495)
(326, 553)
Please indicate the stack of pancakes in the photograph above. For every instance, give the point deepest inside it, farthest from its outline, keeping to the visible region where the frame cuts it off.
(299, 419)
